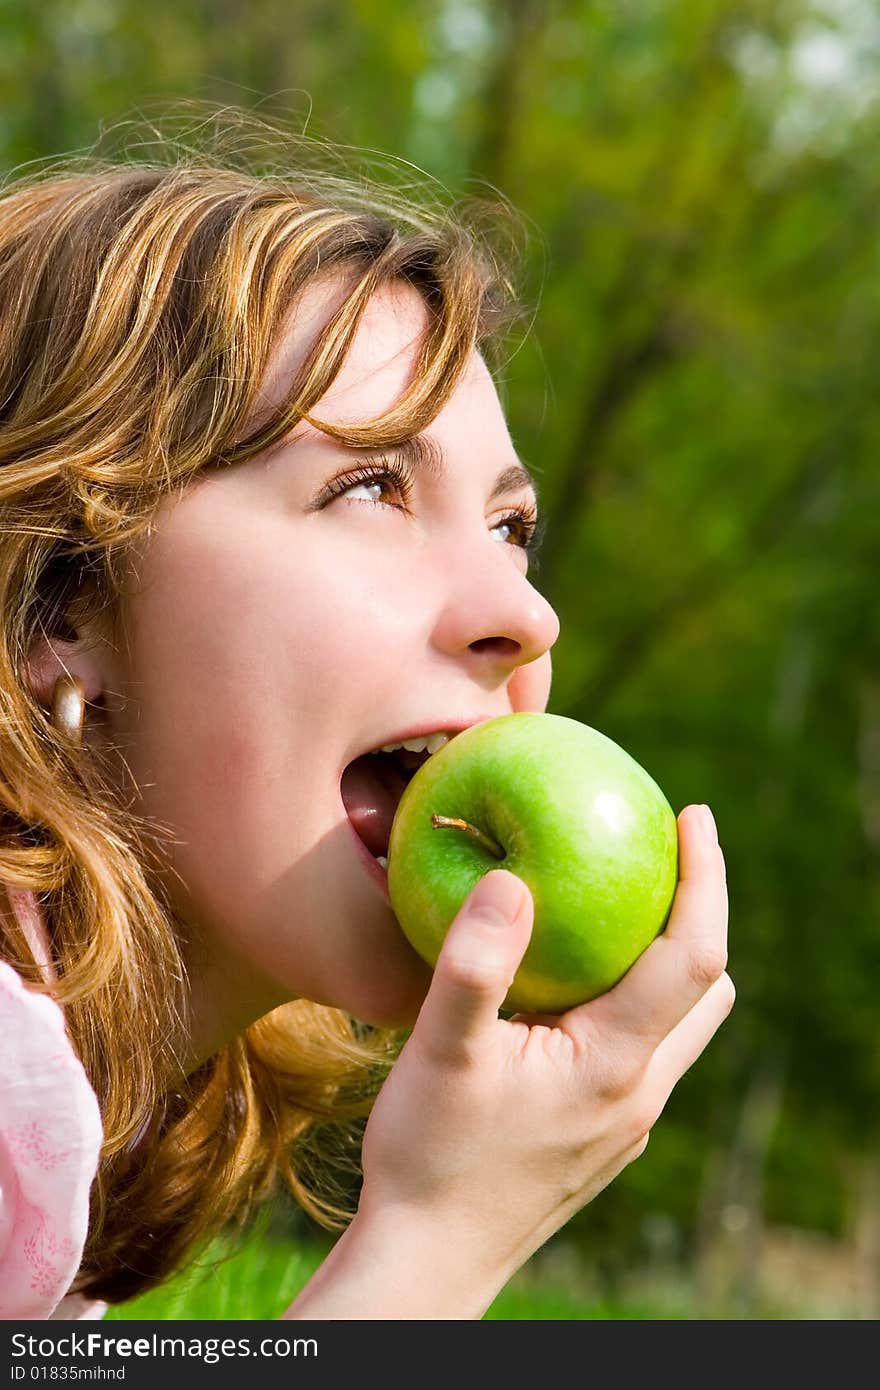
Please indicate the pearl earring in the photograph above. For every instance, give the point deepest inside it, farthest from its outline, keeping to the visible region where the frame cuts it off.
(69, 707)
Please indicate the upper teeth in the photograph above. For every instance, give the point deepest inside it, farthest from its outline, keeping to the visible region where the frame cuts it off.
(429, 742)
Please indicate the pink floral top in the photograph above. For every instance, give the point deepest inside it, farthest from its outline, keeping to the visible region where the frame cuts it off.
(50, 1138)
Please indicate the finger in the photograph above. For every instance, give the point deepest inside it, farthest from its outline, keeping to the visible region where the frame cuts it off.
(701, 879)
(677, 969)
(687, 1040)
(477, 962)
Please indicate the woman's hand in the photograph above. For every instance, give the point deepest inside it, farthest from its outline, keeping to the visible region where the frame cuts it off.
(489, 1134)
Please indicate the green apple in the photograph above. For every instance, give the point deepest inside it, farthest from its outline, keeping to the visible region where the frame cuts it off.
(573, 815)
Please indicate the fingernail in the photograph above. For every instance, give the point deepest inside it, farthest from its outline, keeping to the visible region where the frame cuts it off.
(708, 826)
(497, 898)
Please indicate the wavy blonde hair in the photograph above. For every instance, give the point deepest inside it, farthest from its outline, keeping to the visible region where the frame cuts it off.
(140, 299)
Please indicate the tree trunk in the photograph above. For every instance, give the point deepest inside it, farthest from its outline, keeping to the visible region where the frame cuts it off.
(514, 23)
(866, 1226)
(731, 1221)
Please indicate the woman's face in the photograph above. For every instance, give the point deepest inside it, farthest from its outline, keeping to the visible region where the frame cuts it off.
(281, 623)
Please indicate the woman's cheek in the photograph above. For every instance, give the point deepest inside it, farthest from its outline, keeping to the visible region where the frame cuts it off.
(529, 686)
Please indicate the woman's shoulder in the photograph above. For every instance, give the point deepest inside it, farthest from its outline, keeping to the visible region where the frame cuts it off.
(50, 1139)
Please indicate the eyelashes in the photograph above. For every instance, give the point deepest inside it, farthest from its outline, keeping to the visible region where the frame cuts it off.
(383, 470)
(524, 522)
(528, 526)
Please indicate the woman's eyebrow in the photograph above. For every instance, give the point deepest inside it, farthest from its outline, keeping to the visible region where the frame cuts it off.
(420, 451)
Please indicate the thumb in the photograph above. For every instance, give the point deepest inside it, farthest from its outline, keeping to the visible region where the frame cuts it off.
(477, 962)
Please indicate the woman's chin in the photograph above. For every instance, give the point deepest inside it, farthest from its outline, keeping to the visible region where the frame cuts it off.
(395, 1000)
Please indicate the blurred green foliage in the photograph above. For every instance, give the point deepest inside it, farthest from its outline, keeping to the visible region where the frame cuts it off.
(699, 180)
(259, 1279)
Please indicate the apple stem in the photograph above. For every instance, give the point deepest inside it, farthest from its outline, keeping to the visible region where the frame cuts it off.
(453, 823)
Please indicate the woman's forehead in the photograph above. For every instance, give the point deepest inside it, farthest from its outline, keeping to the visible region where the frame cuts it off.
(380, 364)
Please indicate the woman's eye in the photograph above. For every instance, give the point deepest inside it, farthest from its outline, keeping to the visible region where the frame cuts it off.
(381, 488)
(375, 485)
(509, 525)
(522, 529)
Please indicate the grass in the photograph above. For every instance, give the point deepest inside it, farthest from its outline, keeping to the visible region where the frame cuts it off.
(258, 1278)
(261, 1278)
(257, 1281)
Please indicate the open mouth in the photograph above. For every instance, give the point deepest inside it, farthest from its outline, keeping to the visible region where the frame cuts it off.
(373, 784)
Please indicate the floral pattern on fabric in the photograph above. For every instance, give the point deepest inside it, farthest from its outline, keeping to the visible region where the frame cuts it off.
(50, 1138)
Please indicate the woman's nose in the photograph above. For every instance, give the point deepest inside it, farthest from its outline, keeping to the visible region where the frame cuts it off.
(493, 617)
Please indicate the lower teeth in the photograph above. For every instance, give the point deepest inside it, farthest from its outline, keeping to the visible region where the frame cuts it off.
(380, 859)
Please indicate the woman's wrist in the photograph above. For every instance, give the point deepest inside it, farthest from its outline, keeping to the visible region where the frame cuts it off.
(399, 1263)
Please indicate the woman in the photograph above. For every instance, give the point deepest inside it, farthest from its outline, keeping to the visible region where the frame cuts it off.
(261, 517)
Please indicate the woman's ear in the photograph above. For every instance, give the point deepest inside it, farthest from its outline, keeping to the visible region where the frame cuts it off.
(50, 658)
(92, 660)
